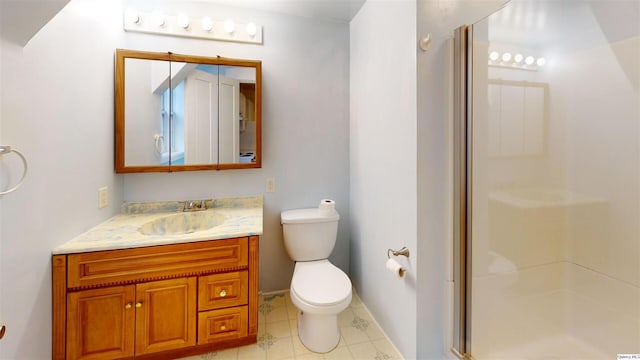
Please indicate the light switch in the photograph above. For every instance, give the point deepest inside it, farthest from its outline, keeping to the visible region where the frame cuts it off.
(271, 185)
(103, 197)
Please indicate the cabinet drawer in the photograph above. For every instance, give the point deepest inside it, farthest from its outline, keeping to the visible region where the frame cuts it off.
(223, 290)
(224, 324)
(131, 265)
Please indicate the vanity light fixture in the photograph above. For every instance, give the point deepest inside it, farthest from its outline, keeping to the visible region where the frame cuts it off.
(180, 25)
(206, 23)
(158, 19)
(131, 16)
(251, 29)
(229, 26)
(517, 61)
(183, 21)
(518, 58)
(529, 60)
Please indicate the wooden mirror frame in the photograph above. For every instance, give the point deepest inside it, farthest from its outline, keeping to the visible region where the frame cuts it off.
(122, 54)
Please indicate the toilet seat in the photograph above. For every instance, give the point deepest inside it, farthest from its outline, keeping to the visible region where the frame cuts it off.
(320, 283)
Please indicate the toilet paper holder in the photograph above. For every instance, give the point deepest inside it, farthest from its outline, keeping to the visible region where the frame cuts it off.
(404, 252)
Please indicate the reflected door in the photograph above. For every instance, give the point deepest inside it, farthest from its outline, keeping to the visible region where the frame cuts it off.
(229, 121)
(201, 118)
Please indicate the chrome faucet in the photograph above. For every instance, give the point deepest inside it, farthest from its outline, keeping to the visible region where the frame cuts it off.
(195, 205)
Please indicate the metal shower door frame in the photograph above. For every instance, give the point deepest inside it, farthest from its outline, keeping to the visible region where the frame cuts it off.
(462, 187)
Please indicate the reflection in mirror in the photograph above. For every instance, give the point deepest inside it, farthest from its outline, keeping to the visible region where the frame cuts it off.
(179, 113)
(145, 141)
(237, 114)
(194, 120)
(517, 117)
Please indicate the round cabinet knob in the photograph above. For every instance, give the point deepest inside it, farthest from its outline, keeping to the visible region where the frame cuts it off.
(223, 293)
(223, 327)
(128, 306)
(138, 305)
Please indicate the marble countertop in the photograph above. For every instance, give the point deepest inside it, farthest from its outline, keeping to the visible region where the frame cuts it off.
(242, 217)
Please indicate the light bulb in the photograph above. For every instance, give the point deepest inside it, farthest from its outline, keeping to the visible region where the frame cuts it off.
(541, 61)
(493, 56)
(506, 57)
(529, 60)
(518, 58)
(251, 29)
(158, 18)
(207, 24)
(229, 26)
(131, 16)
(183, 21)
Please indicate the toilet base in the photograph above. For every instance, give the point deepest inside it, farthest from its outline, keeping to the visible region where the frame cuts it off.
(318, 333)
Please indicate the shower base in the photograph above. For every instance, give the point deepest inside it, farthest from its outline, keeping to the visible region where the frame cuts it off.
(558, 311)
(559, 347)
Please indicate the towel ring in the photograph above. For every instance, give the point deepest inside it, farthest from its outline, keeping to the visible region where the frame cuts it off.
(5, 149)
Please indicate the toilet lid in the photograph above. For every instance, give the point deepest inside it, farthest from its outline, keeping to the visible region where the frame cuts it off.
(320, 283)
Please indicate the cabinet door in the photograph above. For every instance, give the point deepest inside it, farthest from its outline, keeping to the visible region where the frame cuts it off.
(165, 315)
(100, 323)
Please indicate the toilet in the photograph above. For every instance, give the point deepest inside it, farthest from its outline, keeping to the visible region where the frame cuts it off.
(319, 289)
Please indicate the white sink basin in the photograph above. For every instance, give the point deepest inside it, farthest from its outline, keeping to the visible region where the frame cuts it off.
(183, 223)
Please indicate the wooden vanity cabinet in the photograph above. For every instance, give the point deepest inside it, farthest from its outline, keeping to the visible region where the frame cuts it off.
(155, 302)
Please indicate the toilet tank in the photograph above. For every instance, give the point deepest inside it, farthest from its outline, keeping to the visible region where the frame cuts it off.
(309, 234)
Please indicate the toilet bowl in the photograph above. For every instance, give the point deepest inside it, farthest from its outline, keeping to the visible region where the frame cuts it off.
(320, 291)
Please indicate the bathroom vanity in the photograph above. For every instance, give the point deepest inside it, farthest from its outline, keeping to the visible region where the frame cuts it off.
(120, 291)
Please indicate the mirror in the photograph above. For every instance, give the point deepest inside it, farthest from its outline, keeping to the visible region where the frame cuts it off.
(183, 113)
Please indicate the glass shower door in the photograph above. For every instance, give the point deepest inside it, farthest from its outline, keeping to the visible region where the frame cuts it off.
(555, 185)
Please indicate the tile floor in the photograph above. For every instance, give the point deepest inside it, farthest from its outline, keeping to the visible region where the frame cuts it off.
(278, 335)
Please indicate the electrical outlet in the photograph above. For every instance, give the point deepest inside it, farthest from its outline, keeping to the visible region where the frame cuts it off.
(271, 185)
(103, 197)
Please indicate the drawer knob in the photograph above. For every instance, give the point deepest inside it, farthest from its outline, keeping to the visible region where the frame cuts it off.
(128, 306)
(138, 305)
(223, 327)
(223, 293)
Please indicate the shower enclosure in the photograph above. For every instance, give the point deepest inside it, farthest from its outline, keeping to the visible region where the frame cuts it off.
(548, 182)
